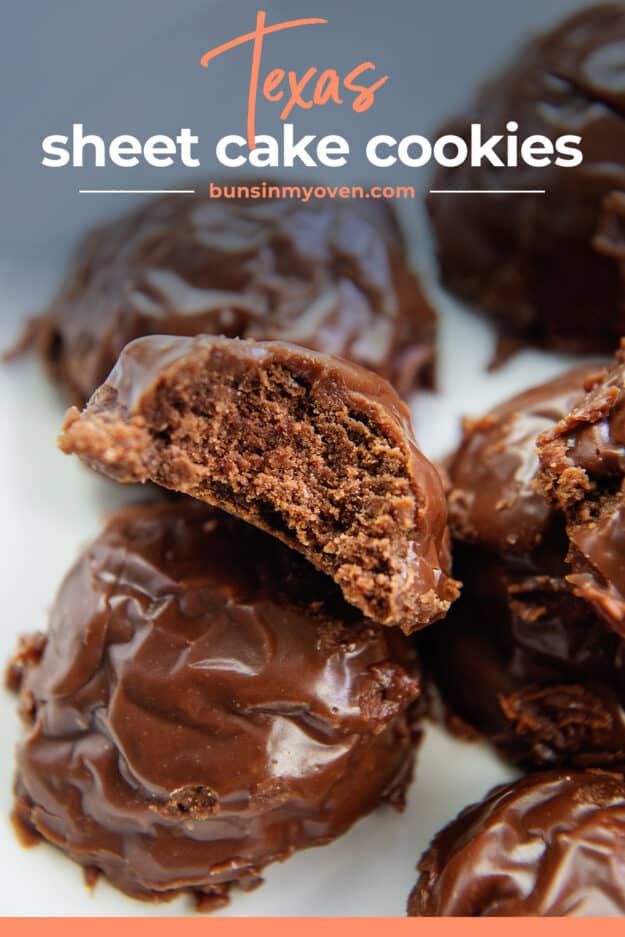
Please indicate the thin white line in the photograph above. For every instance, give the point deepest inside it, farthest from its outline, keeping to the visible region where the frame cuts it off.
(137, 191)
(488, 191)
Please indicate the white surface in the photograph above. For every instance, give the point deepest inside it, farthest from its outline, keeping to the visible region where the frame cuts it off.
(50, 506)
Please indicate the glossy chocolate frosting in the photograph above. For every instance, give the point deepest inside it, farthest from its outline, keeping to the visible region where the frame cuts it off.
(583, 472)
(329, 274)
(544, 266)
(550, 844)
(522, 657)
(204, 704)
(529, 665)
(493, 501)
(312, 448)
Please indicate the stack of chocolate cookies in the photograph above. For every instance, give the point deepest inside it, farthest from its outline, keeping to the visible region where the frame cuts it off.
(227, 676)
(235, 669)
(532, 656)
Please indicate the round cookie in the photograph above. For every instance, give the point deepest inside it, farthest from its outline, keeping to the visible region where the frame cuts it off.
(204, 703)
(522, 657)
(551, 844)
(548, 268)
(328, 274)
(313, 449)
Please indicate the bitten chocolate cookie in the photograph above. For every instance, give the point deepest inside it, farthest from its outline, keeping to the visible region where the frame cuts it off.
(328, 274)
(547, 268)
(204, 703)
(311, 448)
(583, 473)
(522, 657)
(551, 844)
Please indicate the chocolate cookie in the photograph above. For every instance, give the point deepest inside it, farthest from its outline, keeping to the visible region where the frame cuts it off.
(522, 657)
(311, 448)
(583, 473)
(551, 844)
(329, 274)
(204, 703)
(546, 268)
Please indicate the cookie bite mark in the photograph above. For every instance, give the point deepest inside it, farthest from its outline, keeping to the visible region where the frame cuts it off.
(315, 450)
(548, 269)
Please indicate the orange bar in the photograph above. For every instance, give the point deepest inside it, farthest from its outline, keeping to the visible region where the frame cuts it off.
(309, 927)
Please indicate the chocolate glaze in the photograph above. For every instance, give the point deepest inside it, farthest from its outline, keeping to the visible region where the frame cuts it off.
(528, 664)
(543, 266)
(492, 500)
(312, 448)
(522, 657)
(583, 472)
(204, 704)
(328, 274)
(551, 844)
